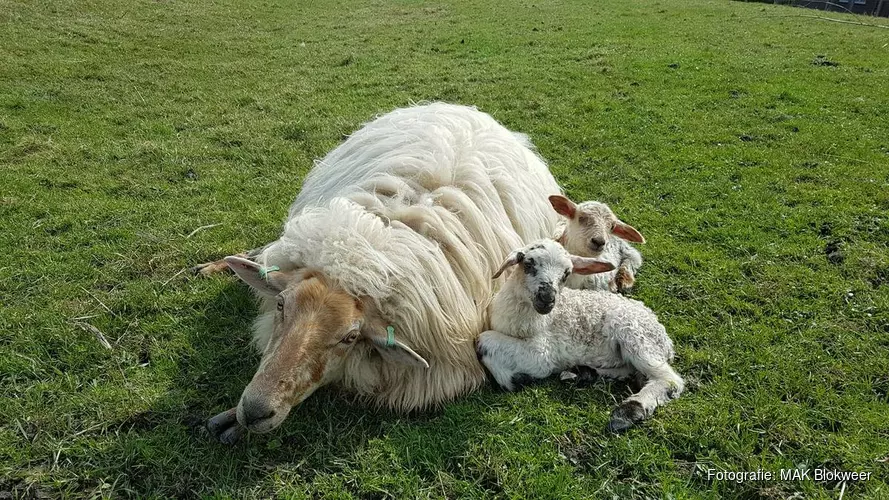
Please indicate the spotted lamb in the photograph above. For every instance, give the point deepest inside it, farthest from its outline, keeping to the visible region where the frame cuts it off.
(540, 328)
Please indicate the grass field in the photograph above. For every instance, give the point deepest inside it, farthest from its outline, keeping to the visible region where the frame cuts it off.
(749, 145)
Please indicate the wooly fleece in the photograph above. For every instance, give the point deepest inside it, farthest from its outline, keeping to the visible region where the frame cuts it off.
(416, 210)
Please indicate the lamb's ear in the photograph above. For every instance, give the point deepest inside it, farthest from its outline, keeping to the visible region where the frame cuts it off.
(627, 232)
(392, 349)
(563, 205)
(265, 281)
(512, 259)
(586, 265)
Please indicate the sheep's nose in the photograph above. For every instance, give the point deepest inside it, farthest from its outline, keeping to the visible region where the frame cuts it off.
(254, 411)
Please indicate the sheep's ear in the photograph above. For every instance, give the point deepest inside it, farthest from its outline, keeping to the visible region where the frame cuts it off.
(511, 260)
(384, 338)
(394, 350)
(586, 265)
(627, 232)
(400, 353)
(265, 281)
(563, 205)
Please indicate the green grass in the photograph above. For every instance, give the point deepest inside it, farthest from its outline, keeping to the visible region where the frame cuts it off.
(714, 127)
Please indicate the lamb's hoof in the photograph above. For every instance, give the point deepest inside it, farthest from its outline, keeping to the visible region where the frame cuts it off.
(673, 392)
(586, 375)
(623, 281)
(579, 375)
(628, 414)
(225, 427)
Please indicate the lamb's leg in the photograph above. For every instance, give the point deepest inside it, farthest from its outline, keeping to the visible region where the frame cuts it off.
(663, 385)
(586, 374)
(623, 282)
(225, 427)
(512, 361)
(625, 276)
(218, 266)
(641, 341)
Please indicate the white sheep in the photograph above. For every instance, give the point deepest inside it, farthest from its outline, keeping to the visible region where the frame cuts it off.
(592, 230)
(540, 328)
(378, 283)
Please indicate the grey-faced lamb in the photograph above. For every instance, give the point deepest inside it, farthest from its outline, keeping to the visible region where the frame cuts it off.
(540, 327)
(592, 230)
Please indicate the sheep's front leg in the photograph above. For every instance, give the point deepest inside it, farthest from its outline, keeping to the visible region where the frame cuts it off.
(512, 361)
(214, 267)
(218, 266)
(225, 427)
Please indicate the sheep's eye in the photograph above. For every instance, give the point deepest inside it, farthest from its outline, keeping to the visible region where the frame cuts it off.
(529, 265)
(565, 277)
(280, 303)
(351, 337)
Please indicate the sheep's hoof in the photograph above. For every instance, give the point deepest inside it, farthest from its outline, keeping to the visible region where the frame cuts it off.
(225, 427)
(628, 414)
(232, 435)
(216, 266)
(209, 268)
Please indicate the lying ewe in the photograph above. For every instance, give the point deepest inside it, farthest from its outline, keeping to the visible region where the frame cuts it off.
(589, 232)
(535, 335)
(378, 283)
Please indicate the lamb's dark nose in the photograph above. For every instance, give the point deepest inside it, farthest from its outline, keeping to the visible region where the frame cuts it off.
(597, 244)
(545, 299)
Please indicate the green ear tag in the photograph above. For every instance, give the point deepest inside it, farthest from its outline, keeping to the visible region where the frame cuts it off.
(390, 338)
(264, 271)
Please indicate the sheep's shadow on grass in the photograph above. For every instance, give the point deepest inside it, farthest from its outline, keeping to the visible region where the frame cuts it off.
(168, 450)
(606, 394)
(591, 391)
